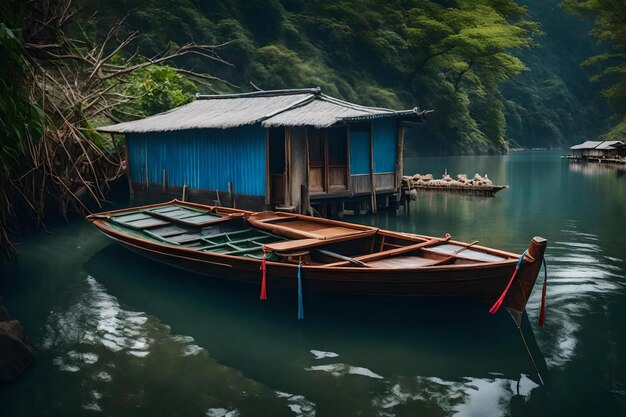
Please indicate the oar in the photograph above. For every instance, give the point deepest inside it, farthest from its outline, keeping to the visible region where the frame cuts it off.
(453, 254)
(342, 257)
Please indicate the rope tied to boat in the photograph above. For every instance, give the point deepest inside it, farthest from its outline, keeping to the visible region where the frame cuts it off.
(542, 311)
(496, 306)
(300, 306)
(263, 268)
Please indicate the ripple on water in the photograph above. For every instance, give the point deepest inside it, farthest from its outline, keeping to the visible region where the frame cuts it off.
(103, 376)
(320, 354)
(221, 412)
(93, 405)
(190, 350)
(298, 404)
(578, 273)
(119, 364)
(466, 397)
(341, 369)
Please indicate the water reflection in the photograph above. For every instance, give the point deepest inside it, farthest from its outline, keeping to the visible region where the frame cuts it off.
(579, 273)
(466, 397)
(334, 365)
(120, 335)
(594, 168)
(123, 358)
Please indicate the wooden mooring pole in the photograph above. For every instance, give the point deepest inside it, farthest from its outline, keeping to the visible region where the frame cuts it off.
(231, 194)
(185, 196)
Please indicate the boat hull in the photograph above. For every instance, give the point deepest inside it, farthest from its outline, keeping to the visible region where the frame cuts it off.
(480, 281)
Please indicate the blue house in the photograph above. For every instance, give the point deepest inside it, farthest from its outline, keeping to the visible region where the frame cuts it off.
(284, 148)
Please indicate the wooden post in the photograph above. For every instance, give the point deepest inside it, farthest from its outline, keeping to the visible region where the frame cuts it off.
(131, 190)
(185, 196)
(145, 146)
(287, 185)
(304, 199)
(374, 208)
(348, 178)
(164, 181)
(407, 200)
(304, 190)
(399, 156)
(267, 169)
(326, 183)
(231, 194)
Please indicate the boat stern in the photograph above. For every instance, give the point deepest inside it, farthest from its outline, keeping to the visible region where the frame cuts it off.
(518, 294)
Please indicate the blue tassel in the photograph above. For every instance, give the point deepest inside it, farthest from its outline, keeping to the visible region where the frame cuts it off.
(300, 306)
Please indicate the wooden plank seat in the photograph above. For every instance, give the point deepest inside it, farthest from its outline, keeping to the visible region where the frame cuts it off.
(297, 227)
(390, 253)
(402, 262)
(469, 254)
(292, 245)
(308, 243)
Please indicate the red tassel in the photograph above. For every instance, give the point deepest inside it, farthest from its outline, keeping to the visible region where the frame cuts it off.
(263, 278)
(542, 311)
(496, 306)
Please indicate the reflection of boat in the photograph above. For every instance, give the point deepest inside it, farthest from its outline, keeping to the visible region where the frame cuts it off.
(334, 256)
(419, 347)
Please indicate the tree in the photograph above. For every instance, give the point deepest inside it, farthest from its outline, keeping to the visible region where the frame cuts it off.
(609, 27)
(58, 80)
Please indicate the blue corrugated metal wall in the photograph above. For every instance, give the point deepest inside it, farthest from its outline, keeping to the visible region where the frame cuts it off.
(359, 152)
(385, 139)
(202, 158)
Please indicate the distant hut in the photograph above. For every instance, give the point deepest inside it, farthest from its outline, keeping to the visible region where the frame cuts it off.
(621, 149)
(586, 148)
(268, 149)
(609, 150)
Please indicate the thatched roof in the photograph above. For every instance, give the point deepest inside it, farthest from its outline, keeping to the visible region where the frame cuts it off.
(590, 144)
(598, 144)
(303, 107)
(610, 145)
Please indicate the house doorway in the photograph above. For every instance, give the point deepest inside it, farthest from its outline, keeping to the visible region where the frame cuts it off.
(328, 159)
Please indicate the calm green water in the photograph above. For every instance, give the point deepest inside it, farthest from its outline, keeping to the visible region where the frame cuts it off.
(118, 335)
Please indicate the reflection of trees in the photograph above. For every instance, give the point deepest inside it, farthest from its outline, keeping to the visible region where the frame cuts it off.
(136, 355)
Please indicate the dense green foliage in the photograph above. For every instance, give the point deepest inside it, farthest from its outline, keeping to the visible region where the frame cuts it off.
(554, 104)
(155, 89)
(449, 56)
(19, 117)
(57, 81)
(609, 28)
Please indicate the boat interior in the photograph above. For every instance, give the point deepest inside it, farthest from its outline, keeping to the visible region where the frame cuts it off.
(288, 238)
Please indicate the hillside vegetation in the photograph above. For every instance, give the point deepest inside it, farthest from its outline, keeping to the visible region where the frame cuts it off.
(448, 56)
(498, 73)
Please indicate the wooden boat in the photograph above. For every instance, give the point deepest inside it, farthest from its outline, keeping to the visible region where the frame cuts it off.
(334, 256)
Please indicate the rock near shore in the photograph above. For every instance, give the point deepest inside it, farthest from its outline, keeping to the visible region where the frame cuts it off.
(16, 354)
